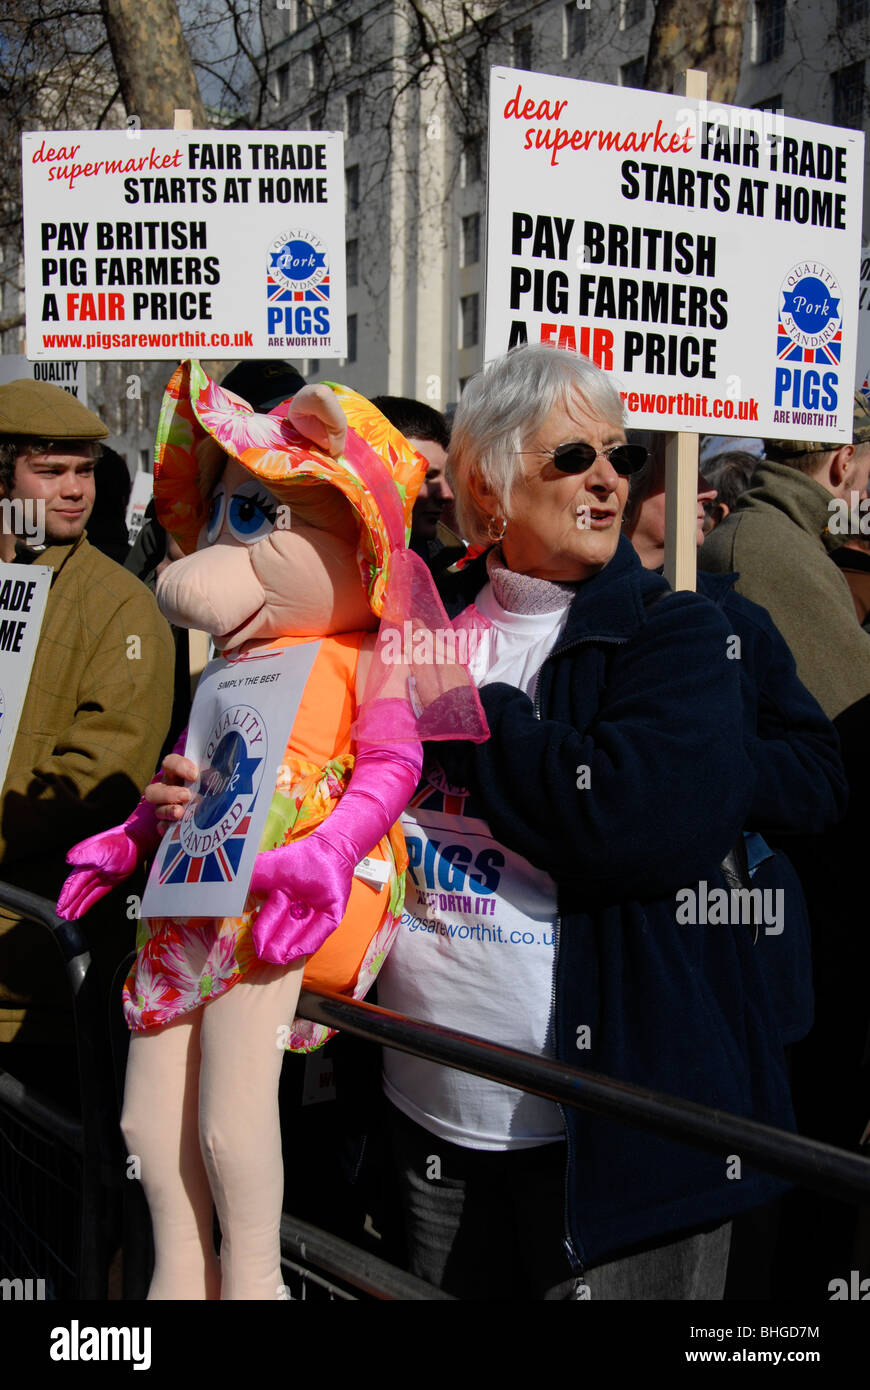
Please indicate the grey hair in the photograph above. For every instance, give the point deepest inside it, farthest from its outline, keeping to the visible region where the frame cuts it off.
(502, 407)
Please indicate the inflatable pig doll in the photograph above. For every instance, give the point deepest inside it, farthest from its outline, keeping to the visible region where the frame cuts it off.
(294, 528)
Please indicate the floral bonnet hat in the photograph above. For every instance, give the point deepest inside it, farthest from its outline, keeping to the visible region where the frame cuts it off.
(379, 472)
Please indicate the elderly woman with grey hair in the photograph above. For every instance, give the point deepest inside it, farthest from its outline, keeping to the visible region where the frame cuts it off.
(553, 872)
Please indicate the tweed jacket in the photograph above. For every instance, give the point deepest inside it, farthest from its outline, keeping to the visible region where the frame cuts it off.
(91, 729)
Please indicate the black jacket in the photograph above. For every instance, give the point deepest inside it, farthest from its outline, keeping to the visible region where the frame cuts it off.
(640, 690)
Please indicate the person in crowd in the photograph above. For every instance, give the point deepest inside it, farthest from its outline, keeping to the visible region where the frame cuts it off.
(730, 473)
(426, 428)
(91, 727)
(853, 560)
(778, 542)
(801, 789)
(549, 872)
(801, 786)
(107, 525)
(645, 524)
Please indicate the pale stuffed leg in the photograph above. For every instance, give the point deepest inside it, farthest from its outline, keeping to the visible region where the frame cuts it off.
(243, 1034)
(161, 1126)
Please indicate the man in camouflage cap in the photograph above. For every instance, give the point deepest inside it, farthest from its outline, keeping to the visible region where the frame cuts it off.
(96, 712)
(798, 452)
(778, 542)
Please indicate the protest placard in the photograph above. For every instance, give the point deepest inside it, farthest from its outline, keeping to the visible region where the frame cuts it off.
(704, 255)
(23, 596)
(141, 493)
(168, 244)
(862, 366)
(69, 376)
(241, 718)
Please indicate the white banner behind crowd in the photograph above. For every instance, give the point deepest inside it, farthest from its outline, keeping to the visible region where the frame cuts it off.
(184, 243)
(23, 596)
(69, 376)
(705, 255)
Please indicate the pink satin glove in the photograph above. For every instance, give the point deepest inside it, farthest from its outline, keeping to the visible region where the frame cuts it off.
(308, 883)
(106, 859)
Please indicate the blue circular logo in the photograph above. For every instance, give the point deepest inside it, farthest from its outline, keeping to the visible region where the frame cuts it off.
(297, 259)
(810, 308)
(228, 783)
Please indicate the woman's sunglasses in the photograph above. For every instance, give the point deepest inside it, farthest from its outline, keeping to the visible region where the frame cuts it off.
(576, 458)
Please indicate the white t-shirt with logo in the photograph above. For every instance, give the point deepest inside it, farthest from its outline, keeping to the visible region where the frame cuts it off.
(476, 948)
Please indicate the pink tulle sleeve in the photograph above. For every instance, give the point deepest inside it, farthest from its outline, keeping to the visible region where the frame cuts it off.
(419, 685)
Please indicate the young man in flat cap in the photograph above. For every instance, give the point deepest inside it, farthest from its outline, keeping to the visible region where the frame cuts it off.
(96, 712)
(777, 540)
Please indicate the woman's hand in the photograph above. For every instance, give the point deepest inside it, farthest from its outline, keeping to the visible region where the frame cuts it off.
(170, 797)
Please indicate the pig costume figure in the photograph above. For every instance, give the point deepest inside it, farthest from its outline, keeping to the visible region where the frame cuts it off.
(294, 528)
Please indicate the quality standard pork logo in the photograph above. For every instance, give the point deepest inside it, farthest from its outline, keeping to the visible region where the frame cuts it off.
(810, 323)
(206, 845)
(298, 286)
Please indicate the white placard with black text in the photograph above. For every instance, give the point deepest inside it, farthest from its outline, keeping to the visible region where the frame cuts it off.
(704, 255)
(23, 596)
(170, 244)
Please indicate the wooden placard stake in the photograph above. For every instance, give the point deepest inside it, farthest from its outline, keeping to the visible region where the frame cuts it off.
(197, 641)
(681, 463)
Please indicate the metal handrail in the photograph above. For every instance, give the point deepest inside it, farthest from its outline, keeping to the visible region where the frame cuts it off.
(790, 1156)
(91, 1141)
(806, 1161)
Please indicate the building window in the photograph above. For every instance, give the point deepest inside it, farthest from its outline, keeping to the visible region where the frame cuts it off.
(633, 12)
(523, 48)
(573, 31)
(352, 260)
(317, 118)
(351, 338)
(282, 83)
(472, 161)
(469, 314)
(351, 187)
(317, 66)
(474, 77)
(471, 239)
(769, 29)
(632, 74)
(354, 40)
(313, 366)
(849, 96)
(850, 11)
(353, 103)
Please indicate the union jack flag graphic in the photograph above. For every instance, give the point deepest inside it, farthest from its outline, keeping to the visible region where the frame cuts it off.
(278, 293)
(220, 865)
(449, 803)
(788, 351)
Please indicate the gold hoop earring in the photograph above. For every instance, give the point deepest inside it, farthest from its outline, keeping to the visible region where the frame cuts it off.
(490, 529)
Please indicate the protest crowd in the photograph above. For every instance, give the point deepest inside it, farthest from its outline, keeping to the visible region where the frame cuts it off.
(631, 768)
(539, 723)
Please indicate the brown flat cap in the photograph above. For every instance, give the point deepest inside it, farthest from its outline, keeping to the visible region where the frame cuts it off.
(779, 450)
(37, 410)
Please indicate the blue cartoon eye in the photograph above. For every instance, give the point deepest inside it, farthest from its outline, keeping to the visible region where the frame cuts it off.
(215, 517)
(252, 513)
